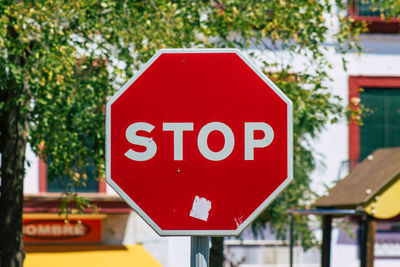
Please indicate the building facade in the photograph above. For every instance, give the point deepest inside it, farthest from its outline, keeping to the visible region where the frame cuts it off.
(371, 79)
(109, 226)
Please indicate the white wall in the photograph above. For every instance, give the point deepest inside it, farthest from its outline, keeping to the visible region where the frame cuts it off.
(170, 251)
(31, 181)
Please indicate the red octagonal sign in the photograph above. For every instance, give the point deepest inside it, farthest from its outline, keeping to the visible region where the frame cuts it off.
(199, 142)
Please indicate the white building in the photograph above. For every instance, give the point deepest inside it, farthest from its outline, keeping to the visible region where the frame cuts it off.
(376, 70)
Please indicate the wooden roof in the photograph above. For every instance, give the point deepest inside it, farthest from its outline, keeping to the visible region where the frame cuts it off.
(368, 179)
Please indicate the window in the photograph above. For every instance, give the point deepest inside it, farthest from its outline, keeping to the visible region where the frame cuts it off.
(370, 8)
(59, 184)
(381, 127)
(371, 12)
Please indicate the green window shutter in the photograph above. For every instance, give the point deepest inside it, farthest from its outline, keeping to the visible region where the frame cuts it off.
(392, 123)
(381, 128)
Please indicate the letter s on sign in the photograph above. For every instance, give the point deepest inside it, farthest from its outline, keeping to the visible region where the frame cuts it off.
(151, 147)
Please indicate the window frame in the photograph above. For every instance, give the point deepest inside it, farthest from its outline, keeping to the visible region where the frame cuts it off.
(356, 82)
(375, 24)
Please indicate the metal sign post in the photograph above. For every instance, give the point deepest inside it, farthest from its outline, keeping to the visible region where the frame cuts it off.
(199, 251)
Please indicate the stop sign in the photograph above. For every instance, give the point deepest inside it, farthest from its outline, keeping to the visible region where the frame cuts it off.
(199, 142)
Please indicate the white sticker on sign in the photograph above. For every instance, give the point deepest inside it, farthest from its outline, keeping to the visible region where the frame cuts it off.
(200, 209)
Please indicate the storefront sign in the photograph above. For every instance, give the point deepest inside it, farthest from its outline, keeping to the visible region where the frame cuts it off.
(61, 231)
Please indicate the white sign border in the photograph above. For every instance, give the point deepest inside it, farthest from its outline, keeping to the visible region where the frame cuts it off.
(263, 206)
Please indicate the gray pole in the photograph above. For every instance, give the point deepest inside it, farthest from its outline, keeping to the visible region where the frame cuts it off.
(291, 241)
(199, 251)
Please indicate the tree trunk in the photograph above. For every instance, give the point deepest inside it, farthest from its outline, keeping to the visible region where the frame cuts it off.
(14, 140)
(217, 252)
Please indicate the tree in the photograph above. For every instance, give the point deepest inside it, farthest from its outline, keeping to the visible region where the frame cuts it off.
(61, 60)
